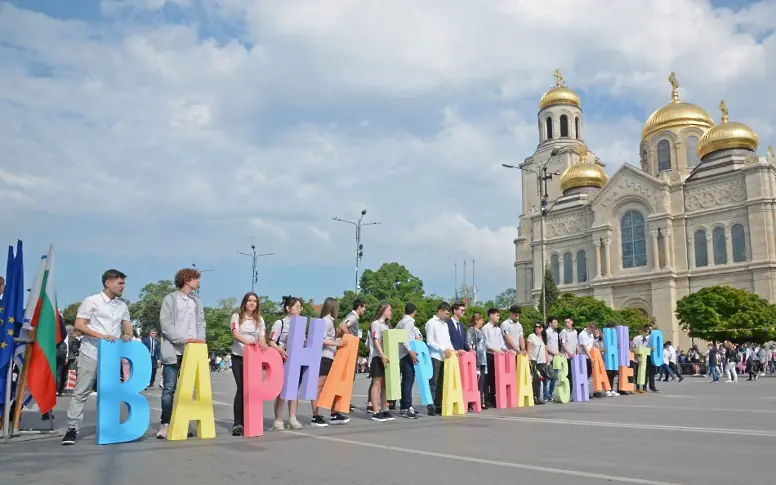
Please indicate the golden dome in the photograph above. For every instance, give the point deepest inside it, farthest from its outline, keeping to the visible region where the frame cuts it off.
(727, 134)
(676, 114)
(583, 174)
(560, 94)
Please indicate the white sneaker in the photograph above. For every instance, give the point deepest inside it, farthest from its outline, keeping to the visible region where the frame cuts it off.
(278, 426)
(615, 393)
(295, 424)
(162, 433)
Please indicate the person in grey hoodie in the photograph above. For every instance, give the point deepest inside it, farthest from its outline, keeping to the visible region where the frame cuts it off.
(182, 320)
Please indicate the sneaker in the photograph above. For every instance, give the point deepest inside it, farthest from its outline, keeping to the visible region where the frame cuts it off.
(319, 422)
(162, 433)
(294, 423)
(70, 436)
(278, 426)
(431, 410)
(238, 430)
(338, 418)
(388, 416)
(379, 417)
(392, 405)
(411, 414)
(609, 394)
(615, 393)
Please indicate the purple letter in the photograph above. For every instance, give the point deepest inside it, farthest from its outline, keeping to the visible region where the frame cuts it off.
(579, 370)
(301, 355)
(623, 345)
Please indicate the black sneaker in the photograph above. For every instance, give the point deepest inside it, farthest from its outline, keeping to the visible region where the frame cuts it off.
(319, 422)
(409, 414)
(338, 418)
(431, 410)
(379, 417)
(70, 436)
(238, 430)
(392, 405)
(388, 416)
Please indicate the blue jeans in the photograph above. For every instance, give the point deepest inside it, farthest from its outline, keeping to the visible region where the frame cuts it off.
(170, 373)
(407, 380)
(714, 373)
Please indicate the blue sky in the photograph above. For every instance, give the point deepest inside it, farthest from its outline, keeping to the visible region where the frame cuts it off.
(148, 135)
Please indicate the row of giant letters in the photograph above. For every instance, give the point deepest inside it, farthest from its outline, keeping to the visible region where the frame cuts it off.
(266, 376)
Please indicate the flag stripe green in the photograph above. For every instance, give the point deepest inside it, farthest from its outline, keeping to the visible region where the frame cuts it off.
(46, 330)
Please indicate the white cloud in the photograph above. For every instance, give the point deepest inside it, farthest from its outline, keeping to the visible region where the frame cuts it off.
(266, 119)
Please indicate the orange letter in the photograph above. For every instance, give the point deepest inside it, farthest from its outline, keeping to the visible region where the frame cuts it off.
(338, 390)
(600, 379)
(625, 372)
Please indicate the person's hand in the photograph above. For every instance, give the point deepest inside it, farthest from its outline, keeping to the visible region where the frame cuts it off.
(283, 354)
(524, 352)
(512, 352)
(126, 338)
(341, 343)
(413, 356)
(193, 341)
(385, 360)
(460, 352)
(109, 338)
(448, 353)
(263, 345)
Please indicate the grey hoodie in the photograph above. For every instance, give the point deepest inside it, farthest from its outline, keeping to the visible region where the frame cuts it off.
(172, 340)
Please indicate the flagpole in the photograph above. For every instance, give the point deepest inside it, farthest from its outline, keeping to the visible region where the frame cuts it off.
(7, 406)
(17, 415)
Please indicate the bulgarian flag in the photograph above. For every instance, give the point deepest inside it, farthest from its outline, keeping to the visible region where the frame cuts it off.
(41, 317)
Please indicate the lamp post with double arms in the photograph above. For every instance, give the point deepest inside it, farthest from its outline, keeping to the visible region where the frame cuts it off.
(254, 269)
(359, 247)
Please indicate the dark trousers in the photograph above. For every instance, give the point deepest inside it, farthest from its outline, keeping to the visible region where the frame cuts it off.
(407, 380)
(611, 374)
(237, 372)
(570, 375)
(482, 382)
(61, 374)
(437, 381)
(153, 374)
(170, 374)
(538, 371)
(651, 371)
(490, 385)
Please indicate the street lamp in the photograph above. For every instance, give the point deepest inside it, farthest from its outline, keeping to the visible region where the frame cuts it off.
(193, 265)
(254, 271)
(359, 246)
(541, 188)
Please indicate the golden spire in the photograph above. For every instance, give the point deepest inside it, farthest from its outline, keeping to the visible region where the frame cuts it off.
(558, 78)
(582, 150)
(674, 88)
(723, 108)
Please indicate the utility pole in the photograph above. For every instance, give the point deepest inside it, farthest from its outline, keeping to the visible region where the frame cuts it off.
(359, 246)
(254, 270)
(194, 265)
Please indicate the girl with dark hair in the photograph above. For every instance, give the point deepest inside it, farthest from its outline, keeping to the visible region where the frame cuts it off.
(292, 307)
(247, 329)
(378, 361)
(331, 343)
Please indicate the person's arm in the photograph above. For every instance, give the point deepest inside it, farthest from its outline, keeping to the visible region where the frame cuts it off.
(83, 315)
(243, 339)
(529, 345)
(166, 325)
(509, 341)
(431, 339)
(333, 343)
(126, 326)
(277, 327)
(566, 347)
(522, 343)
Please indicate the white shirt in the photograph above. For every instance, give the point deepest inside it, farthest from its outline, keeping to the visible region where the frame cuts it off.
(494, 339)
(247, 328)
(671, 354)
(104, 316)
(585, 341)
(438, 338)
(537, 349)
(376, 335)
(514, 330)
(279, 333)
(568, 337)
(552, 341)
(329, 333)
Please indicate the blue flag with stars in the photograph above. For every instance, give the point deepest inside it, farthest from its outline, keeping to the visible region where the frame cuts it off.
(11, 312)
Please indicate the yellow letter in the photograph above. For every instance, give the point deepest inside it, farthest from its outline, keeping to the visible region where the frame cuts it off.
(525, 397)
(452, 392)
(194, 379)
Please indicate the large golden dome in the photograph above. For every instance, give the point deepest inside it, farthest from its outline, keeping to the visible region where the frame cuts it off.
(727, 134)
(583, 174)
(676, 114)
(560, 94)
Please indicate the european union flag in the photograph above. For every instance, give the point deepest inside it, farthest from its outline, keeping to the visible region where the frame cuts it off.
(11, 312)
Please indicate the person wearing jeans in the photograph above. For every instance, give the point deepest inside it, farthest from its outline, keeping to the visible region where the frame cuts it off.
(182, 320)
(407, 360)
(732, 361)
(476, 340)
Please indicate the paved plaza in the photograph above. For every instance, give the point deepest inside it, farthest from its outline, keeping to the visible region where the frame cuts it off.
(692, 433)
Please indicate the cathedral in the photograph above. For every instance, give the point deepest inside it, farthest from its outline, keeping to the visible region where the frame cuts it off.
(700, 210)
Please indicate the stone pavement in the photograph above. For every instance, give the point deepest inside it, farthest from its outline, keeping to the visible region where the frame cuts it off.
(692, 433)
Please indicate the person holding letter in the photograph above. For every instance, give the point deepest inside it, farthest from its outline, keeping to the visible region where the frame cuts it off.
(569, 341)
(407, 360)
(378, 360)
(552, 340)
(100, 317)
(440, 347)
(538, 357)
(247, 329)
(331, 343)
(494, 342)
(476, 341)
(278, 339)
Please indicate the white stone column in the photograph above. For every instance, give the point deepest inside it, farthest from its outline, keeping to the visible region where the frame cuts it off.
(574, 275)
(597, 254)
(709, 249)
(655, 250)
(729, 246)
(608, 253)
(668, 245)
(691, 246)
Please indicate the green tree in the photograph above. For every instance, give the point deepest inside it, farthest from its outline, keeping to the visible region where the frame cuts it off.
(506, 298)
(582, 309)
(391, 281)
(146, 309)
(632, 318)
(720, 313)
(551, 290)
(69, 313)
(219, 331)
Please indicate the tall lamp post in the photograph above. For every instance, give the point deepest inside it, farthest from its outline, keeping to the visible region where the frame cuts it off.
(254, 271)
(541, 188)
(194, 265)
(359, 246)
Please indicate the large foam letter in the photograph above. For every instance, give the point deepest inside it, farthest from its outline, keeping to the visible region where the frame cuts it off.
(424, 370)
(623, 345)
(111, 392)
(257, 389)
(338, 389)
(581, 391)
(643, 352)
(562, 392)
(656, 342)
(506, 391)
(301, 355)
(525, 397)
(194, 379)
(471, 391)
(600, 379)
(452, 394)
(611, 356)
(391, 340)
(626, 372)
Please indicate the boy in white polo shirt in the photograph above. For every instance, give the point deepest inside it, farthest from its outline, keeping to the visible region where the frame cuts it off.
(568, 344)
(100, 317)
(513, 331)
(440, 347)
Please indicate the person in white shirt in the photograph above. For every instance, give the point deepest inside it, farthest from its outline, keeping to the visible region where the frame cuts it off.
(513, 331)
(538, 356)
(247, 329)
(553, 349)
(440, 347)
(100, 317)
(672, 363)
(494, 342)
(331, 343)
(278, 339)
(407, 360)
(586, 341)
(642, 340)
(568, 345)
(379, 361)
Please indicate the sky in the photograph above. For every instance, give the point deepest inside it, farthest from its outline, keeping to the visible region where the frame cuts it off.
(150, 135)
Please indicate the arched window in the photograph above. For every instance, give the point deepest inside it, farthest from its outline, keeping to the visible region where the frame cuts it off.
(663, 156)
(568, 269)
(564, 126)
(692, 151)
(548, 125)
(739, 243)
(581, 267)
(576, 127)
(718, 241)
(701, 249)
(555, 268)
(634, 244)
